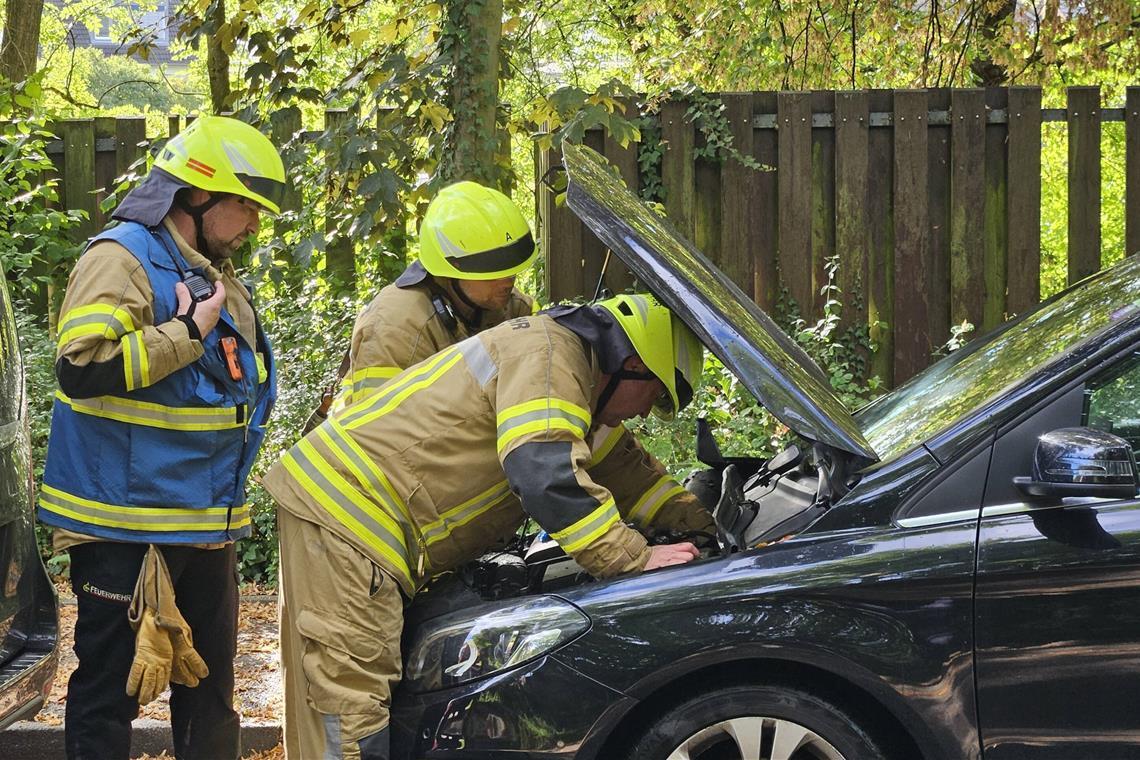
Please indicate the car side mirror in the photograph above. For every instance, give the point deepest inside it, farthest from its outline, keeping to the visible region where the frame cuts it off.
(1081, 462)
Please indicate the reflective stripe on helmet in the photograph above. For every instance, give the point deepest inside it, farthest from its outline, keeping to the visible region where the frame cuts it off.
(495, 260)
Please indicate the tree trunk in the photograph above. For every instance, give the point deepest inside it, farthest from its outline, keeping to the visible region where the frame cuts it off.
(21, 39)
(987, 72)
(217, 59)
(475, 92)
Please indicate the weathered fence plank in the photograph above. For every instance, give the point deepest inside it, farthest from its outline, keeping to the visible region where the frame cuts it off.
(793, 116)
(851, 132)
(1023, 280)
(1084, 182)
(880, 223)
(1132, 172)
(618, 278)
(104, 164)
(706, 204)
(766, 209)
(995, 234)
(822, 200)
(737, 191)
(912, 333)
(78, 185)
(593, 252)
(967, 206)
(559, 227)
(938, 143)
(677, 165)
(130, 142)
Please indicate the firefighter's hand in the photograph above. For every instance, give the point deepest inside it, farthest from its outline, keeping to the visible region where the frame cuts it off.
(204, 313)
(671, 554)
(150, 670)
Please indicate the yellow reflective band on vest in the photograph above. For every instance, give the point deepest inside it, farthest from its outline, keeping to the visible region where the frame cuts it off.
(652, 500)
(136, 363)
(415, 379)
(588, 529)
(459, 516)
(99, 319)
(192, 418)
(142, 518)
(367, 520)
(600, 450)
(262, 372)
(540, 415)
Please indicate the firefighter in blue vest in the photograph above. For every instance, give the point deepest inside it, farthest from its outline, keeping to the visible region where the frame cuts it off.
(166, 382)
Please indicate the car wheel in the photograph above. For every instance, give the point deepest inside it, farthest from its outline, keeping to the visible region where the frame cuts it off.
(756, 723)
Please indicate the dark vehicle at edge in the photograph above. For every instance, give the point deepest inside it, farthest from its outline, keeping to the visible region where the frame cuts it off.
(28, 612)
(952, 572)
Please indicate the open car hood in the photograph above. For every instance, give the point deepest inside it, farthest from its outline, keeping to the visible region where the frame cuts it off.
(779, 373)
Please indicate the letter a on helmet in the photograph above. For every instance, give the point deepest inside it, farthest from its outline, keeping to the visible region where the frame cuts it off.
(223, 155)
(665, 344)
(472, 232)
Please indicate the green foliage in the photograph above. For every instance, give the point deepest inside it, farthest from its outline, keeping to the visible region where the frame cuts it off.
(35, 238)
(742, 426)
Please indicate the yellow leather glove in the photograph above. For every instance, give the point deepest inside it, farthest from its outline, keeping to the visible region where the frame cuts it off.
(150, 670)
(186, 667)
(169, 645)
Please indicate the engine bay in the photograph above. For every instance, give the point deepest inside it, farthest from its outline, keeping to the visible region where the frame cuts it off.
(754, 502)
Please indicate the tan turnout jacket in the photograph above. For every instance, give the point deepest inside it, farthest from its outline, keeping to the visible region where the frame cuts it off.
(438, 465)
(400, 327)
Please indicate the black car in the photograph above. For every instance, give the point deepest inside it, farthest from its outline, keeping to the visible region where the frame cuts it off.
(952, 572)
(28, 612)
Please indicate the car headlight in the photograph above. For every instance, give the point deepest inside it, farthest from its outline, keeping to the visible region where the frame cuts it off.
(457, 648)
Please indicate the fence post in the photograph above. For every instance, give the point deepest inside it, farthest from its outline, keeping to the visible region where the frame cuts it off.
(766, 208)
(677, 165)
(1023, 218)
(881, 241)
(618, 277)
(564, 259)
(1084, 182)
(994, 230)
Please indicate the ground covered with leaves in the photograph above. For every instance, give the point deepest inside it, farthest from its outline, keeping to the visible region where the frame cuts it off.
(258, 693)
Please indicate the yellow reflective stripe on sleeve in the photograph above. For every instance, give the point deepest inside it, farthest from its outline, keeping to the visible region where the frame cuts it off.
(142, 518)
(588, 529)
(349, 453)
(192, 418)
(457, 517)
(540, 415)
(370, 379)
(653, 499)
(351, 508)
(603, 442)
(136, 363)
(262, 372)
(393, 394)
(100, 319)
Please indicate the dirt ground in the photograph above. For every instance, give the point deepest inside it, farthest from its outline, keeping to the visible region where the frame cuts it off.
(258, 687)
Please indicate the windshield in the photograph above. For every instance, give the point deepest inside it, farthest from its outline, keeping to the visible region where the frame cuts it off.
(969, 378)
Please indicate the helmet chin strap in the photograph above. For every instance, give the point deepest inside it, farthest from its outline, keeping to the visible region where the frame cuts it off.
(476, 310)
(614, 381)
(196, 213)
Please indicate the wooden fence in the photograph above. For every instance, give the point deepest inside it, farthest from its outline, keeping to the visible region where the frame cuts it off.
(929, 199)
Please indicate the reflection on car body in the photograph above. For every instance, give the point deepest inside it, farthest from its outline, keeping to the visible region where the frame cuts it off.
(28, 612)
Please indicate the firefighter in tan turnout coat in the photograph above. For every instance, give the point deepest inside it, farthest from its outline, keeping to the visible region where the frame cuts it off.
(439, 300)
(449, 458)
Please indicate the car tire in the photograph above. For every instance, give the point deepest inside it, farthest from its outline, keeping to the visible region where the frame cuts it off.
(756, 723)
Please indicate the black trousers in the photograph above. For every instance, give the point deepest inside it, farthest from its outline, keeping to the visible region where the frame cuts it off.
(97, 723)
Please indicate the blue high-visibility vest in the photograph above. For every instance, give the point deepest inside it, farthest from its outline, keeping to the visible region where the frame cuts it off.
(166, 462)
